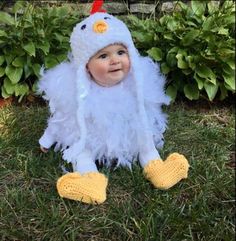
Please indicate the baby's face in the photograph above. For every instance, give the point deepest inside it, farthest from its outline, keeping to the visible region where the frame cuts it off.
(110, 65)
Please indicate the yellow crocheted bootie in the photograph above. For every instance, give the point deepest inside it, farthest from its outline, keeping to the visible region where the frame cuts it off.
(165, 174)
(88, 188)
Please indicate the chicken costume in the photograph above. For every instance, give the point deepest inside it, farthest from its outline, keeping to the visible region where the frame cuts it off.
(90, 122)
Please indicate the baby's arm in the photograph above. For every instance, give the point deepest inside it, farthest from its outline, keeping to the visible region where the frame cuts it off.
(46, 140)
(43, 149)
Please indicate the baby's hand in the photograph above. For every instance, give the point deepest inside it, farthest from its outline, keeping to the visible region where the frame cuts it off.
(43, 149)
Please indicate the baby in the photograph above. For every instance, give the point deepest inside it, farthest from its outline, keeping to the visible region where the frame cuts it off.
(105, 104)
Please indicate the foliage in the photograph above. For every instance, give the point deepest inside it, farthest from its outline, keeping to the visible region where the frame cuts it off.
(195, 46)
(30, 37)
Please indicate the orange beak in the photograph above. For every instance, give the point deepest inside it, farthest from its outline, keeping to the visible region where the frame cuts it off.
(100, 26)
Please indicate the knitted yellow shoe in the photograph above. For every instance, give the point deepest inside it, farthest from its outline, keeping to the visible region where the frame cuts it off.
(87, 188)
(166, 174)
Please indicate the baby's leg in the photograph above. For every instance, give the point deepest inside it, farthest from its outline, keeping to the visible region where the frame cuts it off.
(162, 174)
(147, 151)
(46, 140)
(85, 184)
(85, 163)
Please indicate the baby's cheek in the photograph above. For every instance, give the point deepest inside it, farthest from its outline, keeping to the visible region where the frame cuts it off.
(102, 69)
(127, 67)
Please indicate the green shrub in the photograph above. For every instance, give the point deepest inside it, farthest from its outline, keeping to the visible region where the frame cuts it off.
(30, 37)
(195, 46)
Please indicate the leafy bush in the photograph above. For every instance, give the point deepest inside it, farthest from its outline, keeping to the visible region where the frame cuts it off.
(30, 37)
(195, 46)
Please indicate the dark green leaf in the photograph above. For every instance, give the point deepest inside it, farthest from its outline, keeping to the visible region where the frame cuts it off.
(227, 69)
(223, 92)
(190, 37)
(61, 57)
(4, 93)
(2, 59)
(30, 48)
(198, 7)
(172, 25)
(200, 81)
(223, 31)
(2, 71)
(190, 61)
(211, 89)
(187, 71)
(35, 87)
(63, 11)
(230, 79)
(163, 20)
(182, 64)
(3, 33)
(41, 33)
(36, 68)
(8, 86)
(229, 4)
(229, 19)
(168, 36)
(206, 73)
(182, 5)
(45, 47)
(209, 23)
(21, 89)
(18, 62)
(171, 59)
(165, 68)
(9, 58)
(213, 6)
(172, 92)
(6, 18)
(192, 24)
(143, 38)
(174, 50)
(231, 63)
(58, 37)
(19, 5)
(27, 71)
(50, 61)
(13, 73)
(226, 52)
(191, 91)
(155, 53)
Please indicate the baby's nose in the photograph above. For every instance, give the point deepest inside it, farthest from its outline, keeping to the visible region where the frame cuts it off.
(100, 26)
(115, 60)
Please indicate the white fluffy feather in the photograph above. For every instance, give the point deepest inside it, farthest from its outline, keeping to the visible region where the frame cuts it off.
(106, 122)
(111, 114)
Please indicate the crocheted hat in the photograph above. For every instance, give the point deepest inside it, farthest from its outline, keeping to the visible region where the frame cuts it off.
(94, 33)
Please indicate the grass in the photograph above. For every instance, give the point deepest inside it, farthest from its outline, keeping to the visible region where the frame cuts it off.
(199, 208)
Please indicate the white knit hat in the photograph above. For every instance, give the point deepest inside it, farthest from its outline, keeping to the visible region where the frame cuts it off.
(88, 37)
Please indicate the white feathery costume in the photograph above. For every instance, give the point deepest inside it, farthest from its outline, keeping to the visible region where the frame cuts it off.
(89, 121)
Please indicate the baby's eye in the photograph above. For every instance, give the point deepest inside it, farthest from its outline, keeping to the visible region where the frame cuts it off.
(102, 56)
(121, 52)
(83, 27)
(107, 18)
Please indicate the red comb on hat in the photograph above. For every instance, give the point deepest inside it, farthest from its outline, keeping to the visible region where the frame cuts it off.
(97, 7)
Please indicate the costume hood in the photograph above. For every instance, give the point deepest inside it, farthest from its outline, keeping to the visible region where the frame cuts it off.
(88, 37)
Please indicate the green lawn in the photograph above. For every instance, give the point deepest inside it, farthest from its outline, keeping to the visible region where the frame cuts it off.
(199, 208)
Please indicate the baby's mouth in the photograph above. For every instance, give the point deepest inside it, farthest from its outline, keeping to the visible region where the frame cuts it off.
(114, 70)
